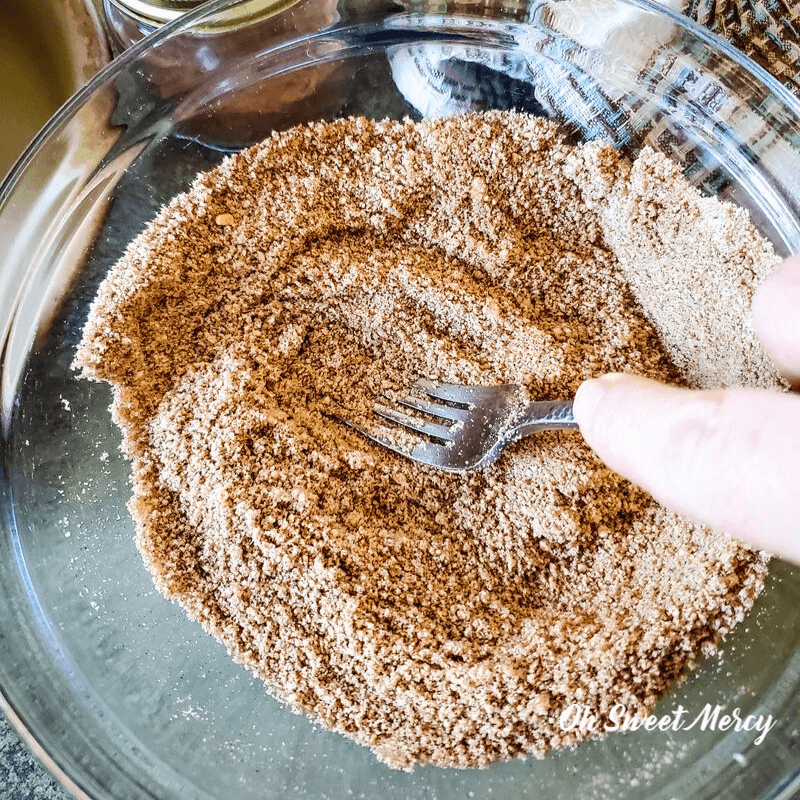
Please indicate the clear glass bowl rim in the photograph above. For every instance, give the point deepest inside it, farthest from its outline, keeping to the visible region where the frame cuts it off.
(200, 15)
(210, 8)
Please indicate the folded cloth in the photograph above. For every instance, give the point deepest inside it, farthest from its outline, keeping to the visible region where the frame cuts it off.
(768, 31)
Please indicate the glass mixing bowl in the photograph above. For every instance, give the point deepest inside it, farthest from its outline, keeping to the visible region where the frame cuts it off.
(117, 692)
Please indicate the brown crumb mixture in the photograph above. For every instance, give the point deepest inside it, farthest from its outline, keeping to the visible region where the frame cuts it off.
(435, 618)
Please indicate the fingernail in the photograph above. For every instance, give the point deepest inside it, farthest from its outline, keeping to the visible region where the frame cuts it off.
(613, 377)
(590, 394)
(587, 398)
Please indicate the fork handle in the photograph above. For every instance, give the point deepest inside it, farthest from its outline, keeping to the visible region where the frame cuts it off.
(542, 416)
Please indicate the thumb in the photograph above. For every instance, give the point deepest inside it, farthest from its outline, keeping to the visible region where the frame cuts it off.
(728, 458)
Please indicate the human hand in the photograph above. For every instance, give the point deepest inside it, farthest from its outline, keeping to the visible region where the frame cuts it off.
(728, 458)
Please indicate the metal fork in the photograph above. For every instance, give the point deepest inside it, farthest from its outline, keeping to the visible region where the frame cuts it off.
(467, 427)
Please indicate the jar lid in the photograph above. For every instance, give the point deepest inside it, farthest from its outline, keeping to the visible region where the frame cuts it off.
(157, 12)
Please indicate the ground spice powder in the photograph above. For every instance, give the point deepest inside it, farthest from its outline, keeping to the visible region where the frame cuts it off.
(435, 618)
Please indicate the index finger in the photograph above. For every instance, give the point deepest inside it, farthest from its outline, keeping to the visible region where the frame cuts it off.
(776, 317)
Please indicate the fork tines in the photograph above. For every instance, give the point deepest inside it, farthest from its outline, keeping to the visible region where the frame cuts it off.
(444, 418)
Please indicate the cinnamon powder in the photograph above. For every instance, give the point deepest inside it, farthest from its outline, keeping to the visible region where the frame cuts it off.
(433, 617)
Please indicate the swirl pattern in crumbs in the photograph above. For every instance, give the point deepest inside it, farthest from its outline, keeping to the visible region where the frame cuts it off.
(432, 617)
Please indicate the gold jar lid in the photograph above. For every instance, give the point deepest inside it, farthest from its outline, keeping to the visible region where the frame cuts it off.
(158, 12)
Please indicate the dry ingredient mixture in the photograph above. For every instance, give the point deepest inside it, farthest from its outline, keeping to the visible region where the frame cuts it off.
(435, 618)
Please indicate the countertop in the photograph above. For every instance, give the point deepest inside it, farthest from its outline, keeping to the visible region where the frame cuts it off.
(22, 777)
